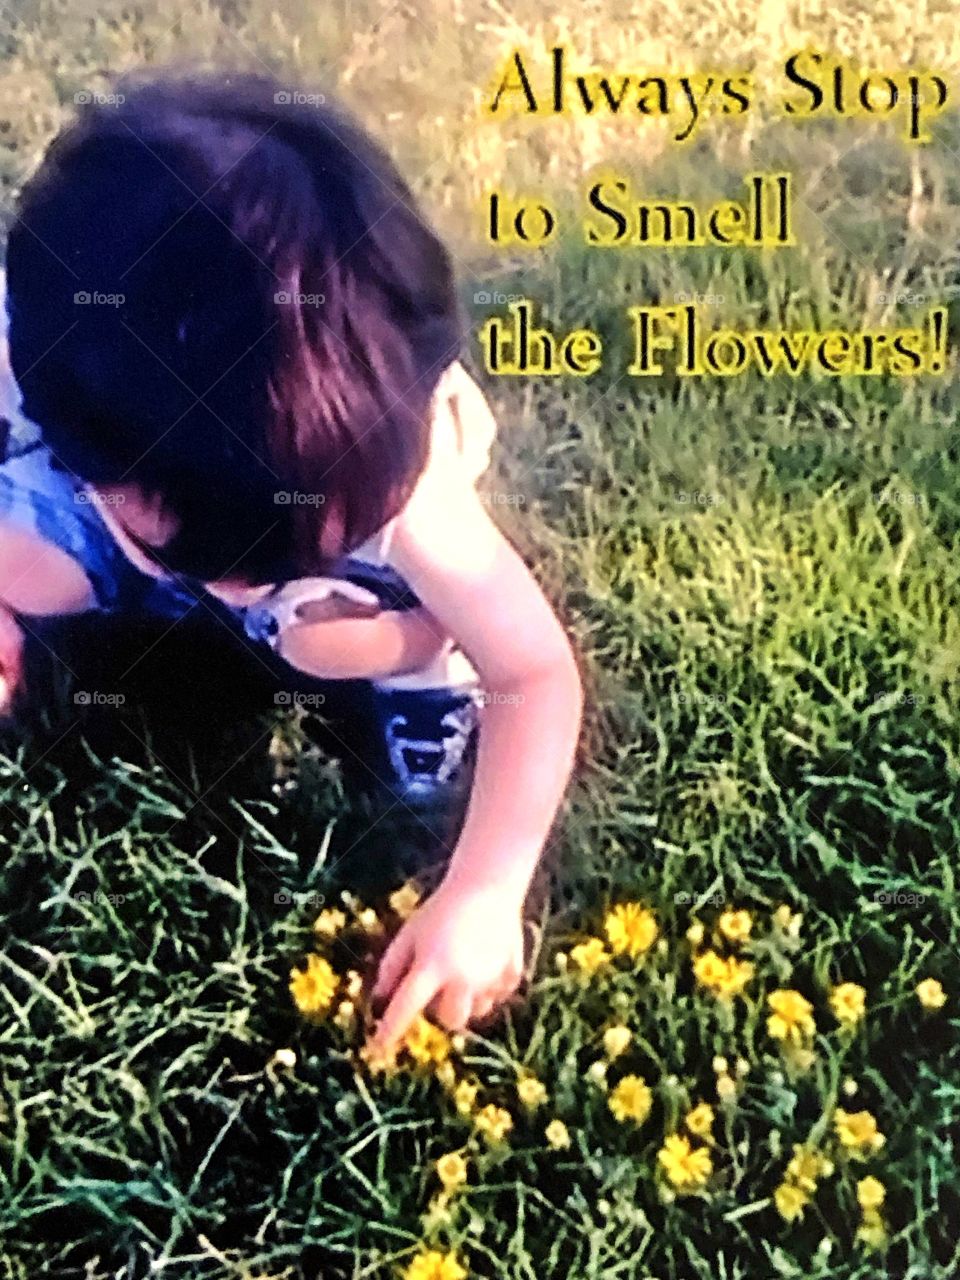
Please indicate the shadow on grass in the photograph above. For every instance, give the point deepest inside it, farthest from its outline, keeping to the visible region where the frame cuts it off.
(212, 712)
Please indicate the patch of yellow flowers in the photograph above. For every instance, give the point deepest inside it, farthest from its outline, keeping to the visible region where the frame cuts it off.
(685, 1159)
(855, 1136)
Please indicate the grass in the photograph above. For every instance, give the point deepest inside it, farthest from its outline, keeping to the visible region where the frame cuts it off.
(763, 578)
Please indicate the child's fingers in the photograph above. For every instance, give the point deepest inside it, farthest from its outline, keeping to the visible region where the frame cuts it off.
(482, 1006)
(11, 659)
(414, 993)
(393, 962)
(453, 1006)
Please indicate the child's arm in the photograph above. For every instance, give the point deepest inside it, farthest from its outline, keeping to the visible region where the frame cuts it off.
(347, 648)
(462, 951)
(36, 579)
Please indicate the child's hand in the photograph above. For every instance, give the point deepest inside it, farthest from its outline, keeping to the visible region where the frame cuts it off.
(461, 953)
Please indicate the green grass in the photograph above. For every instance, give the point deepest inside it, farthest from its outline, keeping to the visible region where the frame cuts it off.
(774, 675)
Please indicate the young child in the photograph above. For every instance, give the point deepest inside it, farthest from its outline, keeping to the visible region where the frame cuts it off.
(235, 347)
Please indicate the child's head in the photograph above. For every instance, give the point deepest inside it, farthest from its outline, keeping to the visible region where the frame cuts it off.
(223, 297)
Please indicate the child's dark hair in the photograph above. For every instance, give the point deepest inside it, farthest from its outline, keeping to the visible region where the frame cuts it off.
(249, 244)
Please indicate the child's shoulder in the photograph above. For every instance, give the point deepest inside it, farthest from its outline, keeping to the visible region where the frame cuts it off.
(463, 428)
(462, 431)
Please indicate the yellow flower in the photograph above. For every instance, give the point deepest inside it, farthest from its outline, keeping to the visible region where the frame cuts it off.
(314, 988)
(695, 934)
(557, 1135)
(735, 925)
(871, 1231)
(464, 1096)
(452, 1170)
(720, 1065)
(631, 1100)
(685, 1166)
(790, 1200)
(630, 929)
(806, 1167)
(722, 977)
(792, 1017)
(739, 973)
(857, 1130)
(931, 994)
(431, 1264)
(787, 920)
(871, 1193)
(616, 1040)
(493, 1122)
(329, 922)
(848, 1002)
(405, 900)
(709, 969)
(700, 1120)
(590, 956)
(426, 1043)
(531, 1091)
